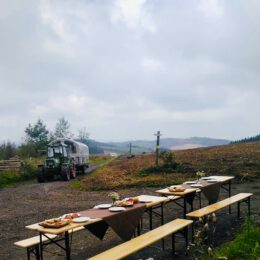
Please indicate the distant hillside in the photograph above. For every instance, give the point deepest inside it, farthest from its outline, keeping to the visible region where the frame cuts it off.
(178, 143)
(248, 139)
(239, 160)
(146, 146)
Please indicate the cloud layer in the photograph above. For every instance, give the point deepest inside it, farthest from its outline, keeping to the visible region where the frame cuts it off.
(127, 68)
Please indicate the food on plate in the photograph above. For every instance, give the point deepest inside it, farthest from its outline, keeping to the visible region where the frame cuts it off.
(55, 223)
(124, 203)
(71, 216)
(136, 200)
(176, 188)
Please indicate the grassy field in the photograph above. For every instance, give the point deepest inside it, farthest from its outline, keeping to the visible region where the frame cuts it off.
(240, 160)
(244, 246)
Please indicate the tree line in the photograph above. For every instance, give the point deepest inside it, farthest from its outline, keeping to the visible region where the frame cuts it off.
(248, 139)
(37, 136)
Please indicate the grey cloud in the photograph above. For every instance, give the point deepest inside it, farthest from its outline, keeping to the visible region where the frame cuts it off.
(156, 68)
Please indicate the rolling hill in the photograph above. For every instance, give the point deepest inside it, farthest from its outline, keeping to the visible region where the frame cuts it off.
(147, 146)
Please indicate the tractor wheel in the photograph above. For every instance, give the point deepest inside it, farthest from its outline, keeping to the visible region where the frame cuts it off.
(83, 169)
(40, 175)
(65, 174)
(73, 171)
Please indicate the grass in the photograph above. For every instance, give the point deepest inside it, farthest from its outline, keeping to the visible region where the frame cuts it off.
(27, 172)
(240, 160)
(99, 159)
(246, 245)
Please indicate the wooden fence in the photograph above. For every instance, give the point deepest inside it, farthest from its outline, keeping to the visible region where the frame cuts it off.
(11, 164)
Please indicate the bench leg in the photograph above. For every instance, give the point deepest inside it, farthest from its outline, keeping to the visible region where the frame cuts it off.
(162, 222)
(238, 209)
(229, 194)
(248, 205)
(192, 232)
(173, 244)
(28, 254)
(37, 252)
(186, 235)
(199, 194)
(67, 245)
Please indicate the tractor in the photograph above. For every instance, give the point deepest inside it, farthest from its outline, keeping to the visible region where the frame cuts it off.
(64, 158)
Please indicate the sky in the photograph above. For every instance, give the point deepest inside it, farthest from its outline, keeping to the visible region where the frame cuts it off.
(123, 69)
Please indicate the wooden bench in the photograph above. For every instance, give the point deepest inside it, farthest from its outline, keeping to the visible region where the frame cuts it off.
(136, 244)
(203, 212)
(239, 198)
(32, 244)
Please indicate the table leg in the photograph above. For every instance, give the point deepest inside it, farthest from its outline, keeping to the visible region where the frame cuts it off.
(67, 245)
(184, 207)
(41, 247)
(150, 219)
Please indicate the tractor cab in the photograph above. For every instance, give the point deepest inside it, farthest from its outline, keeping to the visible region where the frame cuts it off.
(57, 151)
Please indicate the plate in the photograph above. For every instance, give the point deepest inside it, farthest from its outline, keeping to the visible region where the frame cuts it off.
(145, 200)
(212, 181)
(116, 209)
(80, 219)
(190, 182)
(103, 206)
(196, 185)
(205, 178)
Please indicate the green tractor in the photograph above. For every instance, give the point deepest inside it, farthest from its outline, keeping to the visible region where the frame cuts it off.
(64, 158)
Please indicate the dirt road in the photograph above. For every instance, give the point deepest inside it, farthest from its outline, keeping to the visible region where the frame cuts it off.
(29, 203)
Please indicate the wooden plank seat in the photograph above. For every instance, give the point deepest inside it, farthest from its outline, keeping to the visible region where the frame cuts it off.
(241, 197)
(136, 244)
(32, 244)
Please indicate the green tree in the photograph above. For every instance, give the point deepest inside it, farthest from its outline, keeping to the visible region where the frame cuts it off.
(37, 135)
(62, 129)
(7, 150)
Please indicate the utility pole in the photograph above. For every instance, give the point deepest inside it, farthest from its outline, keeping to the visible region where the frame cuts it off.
(130, 148)
(158, 134)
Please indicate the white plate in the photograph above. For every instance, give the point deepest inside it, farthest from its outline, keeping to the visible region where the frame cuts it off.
(212, 181)
(103, 206)
(80, 219)
(196, 185)
(190, 182)
(70, 214)
(145, 200)
(116, 209)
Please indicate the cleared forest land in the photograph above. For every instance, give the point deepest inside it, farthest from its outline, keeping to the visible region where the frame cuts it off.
(239, 160)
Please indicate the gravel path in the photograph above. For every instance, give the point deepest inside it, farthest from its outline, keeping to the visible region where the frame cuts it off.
(32, 202)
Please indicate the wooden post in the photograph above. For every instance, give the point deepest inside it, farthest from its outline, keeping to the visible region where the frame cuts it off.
(130, 148)
(157, 147)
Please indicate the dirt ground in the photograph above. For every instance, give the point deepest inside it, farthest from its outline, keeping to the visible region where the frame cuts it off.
(32, 202)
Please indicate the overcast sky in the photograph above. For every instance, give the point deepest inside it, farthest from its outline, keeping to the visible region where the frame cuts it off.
(127, 68)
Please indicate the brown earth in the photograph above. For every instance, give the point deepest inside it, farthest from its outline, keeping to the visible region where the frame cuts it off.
(239, 160)
(31, 202)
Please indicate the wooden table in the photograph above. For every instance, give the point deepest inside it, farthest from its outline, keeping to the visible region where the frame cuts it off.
(64, 233)
(224, 180)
